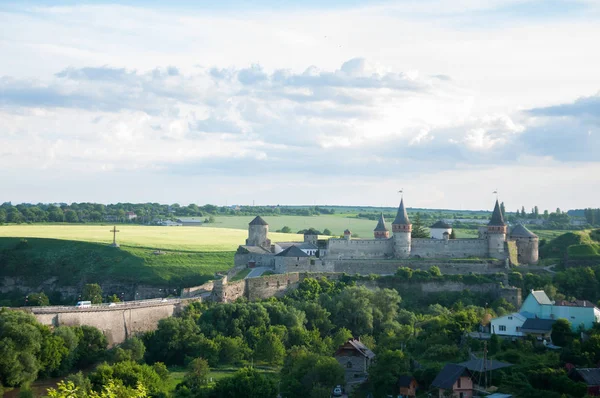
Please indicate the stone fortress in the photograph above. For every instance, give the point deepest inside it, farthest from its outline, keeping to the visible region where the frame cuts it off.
(495, 244)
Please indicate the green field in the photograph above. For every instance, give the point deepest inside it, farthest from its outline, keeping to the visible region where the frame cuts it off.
(203, 239)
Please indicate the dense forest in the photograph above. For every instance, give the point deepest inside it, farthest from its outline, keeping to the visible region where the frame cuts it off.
(286, 345)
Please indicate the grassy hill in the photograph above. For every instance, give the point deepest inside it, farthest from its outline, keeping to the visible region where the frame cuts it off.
(72, 262)
(575, 245)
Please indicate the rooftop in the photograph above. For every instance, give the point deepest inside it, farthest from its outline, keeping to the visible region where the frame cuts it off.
(448, 376)
(576, 303)
(519, 231)
(292, 251)
(441, 224)
(590, 376)
(541, 297)
(381, 227)
(401, 216)
(497, 219)
(537, 325)
(258, 221)
(300, 245)
(360, 347)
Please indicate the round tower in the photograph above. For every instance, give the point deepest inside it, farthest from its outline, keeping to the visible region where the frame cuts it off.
(258, 231)
(527, 244)
(496, 234)
(381, 231)
(402, 229)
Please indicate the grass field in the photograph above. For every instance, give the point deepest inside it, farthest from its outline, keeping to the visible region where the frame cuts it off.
(199, 239)
(335, 223)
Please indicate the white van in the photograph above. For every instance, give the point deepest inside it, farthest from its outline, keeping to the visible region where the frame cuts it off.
(83, 304)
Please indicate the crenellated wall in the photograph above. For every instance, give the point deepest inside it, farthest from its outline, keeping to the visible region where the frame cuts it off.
(451, 248)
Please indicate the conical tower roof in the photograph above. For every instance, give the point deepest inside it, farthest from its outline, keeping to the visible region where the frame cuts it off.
(258, 221)
(519, 231)
(497, 219)
(381, 225)
(401, 217)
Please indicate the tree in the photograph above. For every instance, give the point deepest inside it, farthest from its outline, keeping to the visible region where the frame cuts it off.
(286, 230)
(434, 270)
(91, 347)
(561, 333)
(494, 344)
(384, 373)
(523, 214)
(92, 292)
(14, 216)
(305, 372)
(452, 234)
(71, 216)
(327, 232)
(197, 374)
(2, 216)
(503, 210)
(270, 349)
(248, 383)
(37, 299)
(418, 229)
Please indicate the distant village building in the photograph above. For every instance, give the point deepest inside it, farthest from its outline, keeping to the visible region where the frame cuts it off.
(438, 229)
(190, 221)
(130, 215)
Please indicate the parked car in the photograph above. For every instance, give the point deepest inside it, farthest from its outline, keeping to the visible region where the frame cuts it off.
(337, 391)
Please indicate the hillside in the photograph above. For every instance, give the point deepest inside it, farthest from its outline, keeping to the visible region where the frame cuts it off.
(72, 262)
(575, 245)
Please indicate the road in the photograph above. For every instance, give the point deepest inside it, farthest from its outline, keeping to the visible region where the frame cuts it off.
(258, 271)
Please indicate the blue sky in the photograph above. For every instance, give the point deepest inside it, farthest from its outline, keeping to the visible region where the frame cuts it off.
(301, 102)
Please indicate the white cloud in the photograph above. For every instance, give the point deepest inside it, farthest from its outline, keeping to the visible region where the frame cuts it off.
(356, 94)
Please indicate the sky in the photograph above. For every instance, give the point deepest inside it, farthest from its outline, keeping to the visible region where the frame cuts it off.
(312, 102)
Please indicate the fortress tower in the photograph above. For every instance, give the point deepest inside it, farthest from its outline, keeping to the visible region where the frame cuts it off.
(311, 237)
(496, 234)
(527, 244)
(258, 231)
(402, 229)
(381, 231)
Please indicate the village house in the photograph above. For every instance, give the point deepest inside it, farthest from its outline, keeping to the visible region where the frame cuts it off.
(355, 358)
(538, 313)
(589, 376)
(455, 378)
(407, 386)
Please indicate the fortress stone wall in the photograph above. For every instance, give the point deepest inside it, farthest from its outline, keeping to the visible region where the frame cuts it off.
(361, 248)
(389, 267)
(449, 248)
(117, 324)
